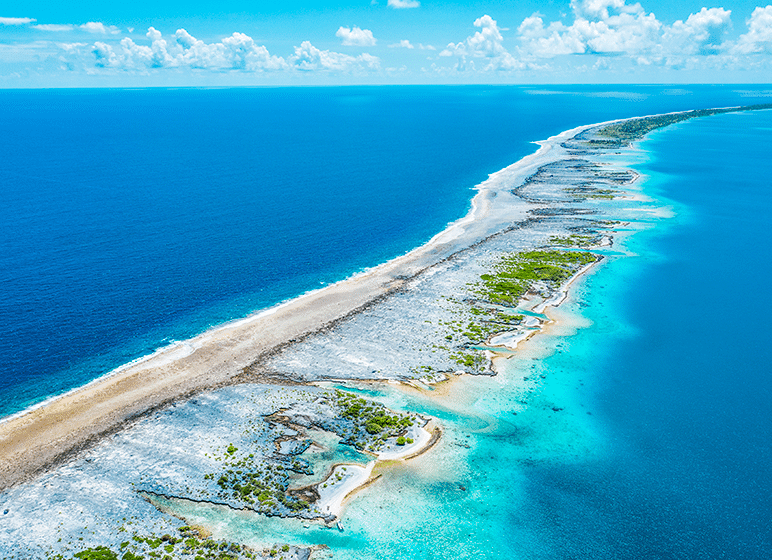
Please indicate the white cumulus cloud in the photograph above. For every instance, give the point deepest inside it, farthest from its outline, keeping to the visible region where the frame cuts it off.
(400, 4)
(243, 53)
(105, 55)
(486, 44)
(599, 9)
(701, 33)
(99, 27)
(758, 39)
(356, 37)
(614, 27)
(553, 40)
(236, 52)
(54, 27)
(16, 20)
(622, 32)
(308, 58)
(71, 47)
(600, 27)
(611, 35)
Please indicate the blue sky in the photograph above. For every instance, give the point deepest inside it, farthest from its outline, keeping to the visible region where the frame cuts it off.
(240, 42)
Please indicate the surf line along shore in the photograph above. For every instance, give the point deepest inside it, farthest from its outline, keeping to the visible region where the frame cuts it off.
(39, 438)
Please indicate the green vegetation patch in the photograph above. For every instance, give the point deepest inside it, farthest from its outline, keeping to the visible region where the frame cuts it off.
(98, 553)
(262, 487)
(635, 129)
(574, 240)
(188, 545)
(516, 273)
(370, 423)
(591, 193)
(488, 309)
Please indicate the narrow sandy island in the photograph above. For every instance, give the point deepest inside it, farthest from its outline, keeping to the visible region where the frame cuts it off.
(343, 480)
(346, 480)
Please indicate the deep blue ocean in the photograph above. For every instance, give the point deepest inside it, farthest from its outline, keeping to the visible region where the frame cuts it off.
(686, 393)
